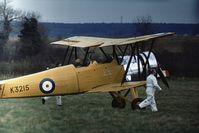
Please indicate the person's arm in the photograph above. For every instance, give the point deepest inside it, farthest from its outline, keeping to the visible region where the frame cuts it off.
(155, 83)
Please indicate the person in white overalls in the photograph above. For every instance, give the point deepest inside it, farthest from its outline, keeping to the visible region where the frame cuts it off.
(152, 85)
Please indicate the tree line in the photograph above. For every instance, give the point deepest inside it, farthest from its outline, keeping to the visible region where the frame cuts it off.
(31, 52)
(31, 37)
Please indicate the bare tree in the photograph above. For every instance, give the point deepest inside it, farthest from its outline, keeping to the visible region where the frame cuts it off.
(32, 14)
(7, 15)
(144, 25)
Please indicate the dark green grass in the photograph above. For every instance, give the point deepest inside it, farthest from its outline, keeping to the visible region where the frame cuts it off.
(178, 112)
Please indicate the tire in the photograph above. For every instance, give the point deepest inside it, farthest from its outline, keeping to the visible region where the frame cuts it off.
(114, 103)
(118, 103)
(135, 102)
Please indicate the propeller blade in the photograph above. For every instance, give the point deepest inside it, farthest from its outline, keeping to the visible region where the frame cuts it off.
(162, 77)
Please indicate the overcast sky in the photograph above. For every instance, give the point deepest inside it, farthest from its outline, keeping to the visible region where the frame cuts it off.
(82, 11)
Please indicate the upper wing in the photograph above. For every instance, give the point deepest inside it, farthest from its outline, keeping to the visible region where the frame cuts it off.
(84, 41)
(117, 86)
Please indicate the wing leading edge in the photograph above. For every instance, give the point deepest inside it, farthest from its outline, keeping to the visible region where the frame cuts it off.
(85, 41)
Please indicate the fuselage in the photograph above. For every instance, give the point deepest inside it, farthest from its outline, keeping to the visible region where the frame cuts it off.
(62, 80)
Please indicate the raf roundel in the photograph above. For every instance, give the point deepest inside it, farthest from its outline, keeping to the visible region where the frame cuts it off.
(47, 85)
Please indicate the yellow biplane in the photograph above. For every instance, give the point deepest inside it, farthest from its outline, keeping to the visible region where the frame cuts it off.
(113, 76)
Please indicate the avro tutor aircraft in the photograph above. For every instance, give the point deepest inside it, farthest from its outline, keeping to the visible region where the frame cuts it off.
(120, 76)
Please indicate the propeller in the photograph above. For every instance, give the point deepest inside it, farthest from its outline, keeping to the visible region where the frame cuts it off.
(162, 77)
(149, 61)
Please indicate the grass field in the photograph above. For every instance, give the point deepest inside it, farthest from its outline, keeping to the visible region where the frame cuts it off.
(178, 113)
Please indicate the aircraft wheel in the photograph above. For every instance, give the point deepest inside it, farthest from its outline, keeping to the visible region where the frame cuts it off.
(121, 103)
(135, 102)
(118, 103)
(114, 103)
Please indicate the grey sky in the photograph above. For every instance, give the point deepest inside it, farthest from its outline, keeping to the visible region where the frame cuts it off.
(81, 11)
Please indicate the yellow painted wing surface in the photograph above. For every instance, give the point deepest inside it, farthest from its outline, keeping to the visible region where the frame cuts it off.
(117, 86)
(85, 41)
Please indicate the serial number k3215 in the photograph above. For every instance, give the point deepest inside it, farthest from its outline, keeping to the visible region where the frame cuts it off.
(19, 88)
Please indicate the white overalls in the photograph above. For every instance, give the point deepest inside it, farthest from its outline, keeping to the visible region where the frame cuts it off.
(152, 85)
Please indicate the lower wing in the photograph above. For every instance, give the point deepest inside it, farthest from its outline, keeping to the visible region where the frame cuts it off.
(117, 86)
